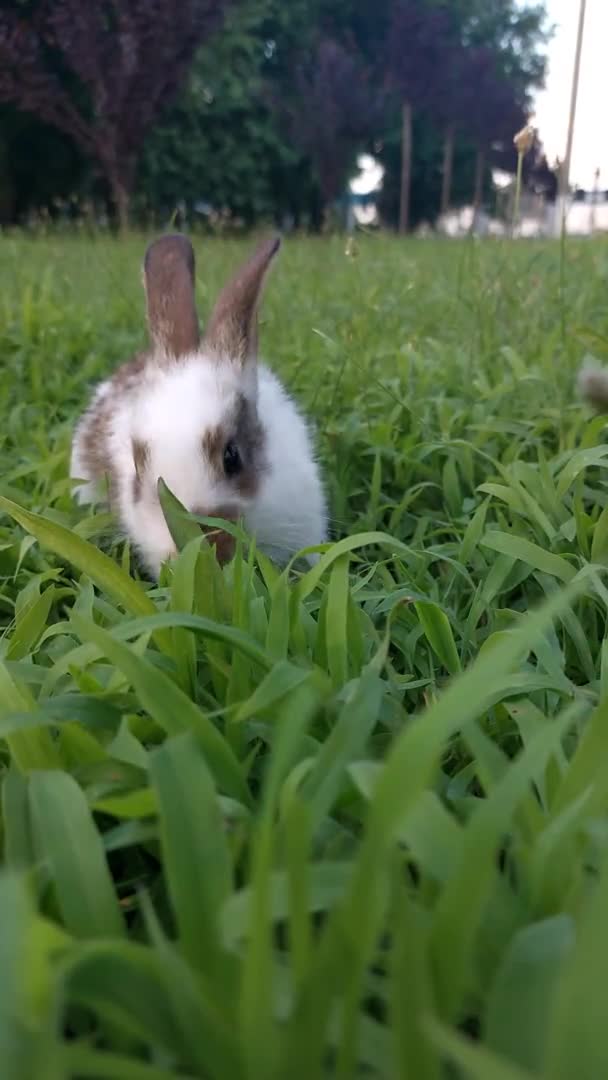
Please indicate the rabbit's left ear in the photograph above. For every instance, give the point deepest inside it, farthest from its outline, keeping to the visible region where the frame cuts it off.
(232, 331)
(169, 283)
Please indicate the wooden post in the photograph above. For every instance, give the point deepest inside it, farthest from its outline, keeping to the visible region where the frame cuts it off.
(448, 166)
(406, 167)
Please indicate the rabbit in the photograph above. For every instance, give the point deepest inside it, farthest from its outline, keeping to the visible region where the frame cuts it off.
(593, 385)
(201, 413)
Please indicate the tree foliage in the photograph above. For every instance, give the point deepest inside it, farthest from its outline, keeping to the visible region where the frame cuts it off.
(333, 110)
(265, 118)
(101, 71)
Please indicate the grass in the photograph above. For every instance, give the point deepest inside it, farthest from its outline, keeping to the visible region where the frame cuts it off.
(348, 823)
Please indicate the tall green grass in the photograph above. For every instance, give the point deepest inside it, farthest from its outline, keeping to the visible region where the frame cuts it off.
(349, 822)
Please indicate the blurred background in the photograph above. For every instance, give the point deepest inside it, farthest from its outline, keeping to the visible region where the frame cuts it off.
(312, 114)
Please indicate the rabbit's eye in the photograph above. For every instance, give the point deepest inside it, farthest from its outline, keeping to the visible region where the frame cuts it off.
(232, 459)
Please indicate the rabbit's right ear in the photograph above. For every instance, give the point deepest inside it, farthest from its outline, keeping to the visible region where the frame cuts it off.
(232, 331)
(169, 283)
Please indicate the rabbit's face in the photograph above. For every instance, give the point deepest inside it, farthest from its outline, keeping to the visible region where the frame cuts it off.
(195, 425)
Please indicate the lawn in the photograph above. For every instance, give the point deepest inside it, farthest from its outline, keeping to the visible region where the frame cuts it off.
(345, 823)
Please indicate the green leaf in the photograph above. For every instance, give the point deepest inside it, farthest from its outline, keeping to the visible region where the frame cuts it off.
(531, 554)
(311, 579)
(169, 706)
(183, 530)
(259, 1037)
(124, 983)
(473, 532)
(433, 837)
(336, 614)
(141, 803)
(579, 461)
(206, 627)
(347, 740)
(411, 993)
(475, 1062)
(459, 910)
(280, 681)
(196, 858)
(577, 1043)
(30, 625)
(68, 841)
(589, 759)
(87, 558)
(522, 997)
(206, 1031)
(183, 591)
(599, 543)
(408, 770)
(30, 747)
(327, 883)
(15, 1025)
(277, 634)
(100, 1065)
(438, 633)
(18, 842)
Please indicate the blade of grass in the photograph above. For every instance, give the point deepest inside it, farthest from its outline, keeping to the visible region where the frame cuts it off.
(66, 838)
(196, 857)
(169, 706)
(86, 557)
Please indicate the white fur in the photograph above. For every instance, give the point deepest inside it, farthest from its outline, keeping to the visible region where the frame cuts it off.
(171, 408)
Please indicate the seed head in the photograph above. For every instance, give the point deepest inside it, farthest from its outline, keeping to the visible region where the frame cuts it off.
(524, 139)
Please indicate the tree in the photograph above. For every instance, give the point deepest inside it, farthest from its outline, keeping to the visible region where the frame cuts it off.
(446, 108)
(433, 52)
(100, 72)
(416, 50)
(221, 141)
(39, 166)
(492, 114)
(506, 63)
(331, 113)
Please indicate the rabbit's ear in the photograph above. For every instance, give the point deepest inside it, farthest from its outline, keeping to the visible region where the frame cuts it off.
(232, 331)
(169, 282)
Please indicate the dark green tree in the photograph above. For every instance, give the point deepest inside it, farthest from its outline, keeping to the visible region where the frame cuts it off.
(220, 142)
(100, 71)
(486, 58)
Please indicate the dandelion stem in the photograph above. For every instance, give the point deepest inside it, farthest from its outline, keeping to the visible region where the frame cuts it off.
(520, 161)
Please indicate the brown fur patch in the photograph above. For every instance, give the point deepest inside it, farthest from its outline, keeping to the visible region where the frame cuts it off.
(213, 443)
(97, 420)
(128, 375)
(251, 439)
(245, 429)
(94, 445)
(141, 457)
(223, 542)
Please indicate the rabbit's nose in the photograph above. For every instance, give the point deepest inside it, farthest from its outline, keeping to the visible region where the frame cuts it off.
(222, 541)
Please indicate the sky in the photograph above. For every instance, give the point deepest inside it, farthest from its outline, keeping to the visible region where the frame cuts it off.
(590, 146)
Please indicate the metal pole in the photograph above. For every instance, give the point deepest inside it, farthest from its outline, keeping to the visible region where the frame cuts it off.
(565, 172)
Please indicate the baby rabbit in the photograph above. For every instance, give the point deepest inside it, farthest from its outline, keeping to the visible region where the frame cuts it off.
(593, 385)
(200, 412)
